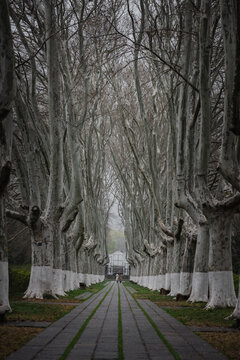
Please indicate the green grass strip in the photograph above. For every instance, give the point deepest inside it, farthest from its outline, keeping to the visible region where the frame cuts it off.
(172, 351)
(120, 337)
(79, 333)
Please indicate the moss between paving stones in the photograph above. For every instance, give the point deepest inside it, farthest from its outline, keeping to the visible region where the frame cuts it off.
(120, 337)
(34, 310)
(195, 314)
(79, 333)
(172, 351)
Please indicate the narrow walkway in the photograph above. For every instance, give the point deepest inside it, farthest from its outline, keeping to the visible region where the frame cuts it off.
(91, 331)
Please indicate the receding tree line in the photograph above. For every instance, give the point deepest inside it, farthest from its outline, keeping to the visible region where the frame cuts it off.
(136, 98)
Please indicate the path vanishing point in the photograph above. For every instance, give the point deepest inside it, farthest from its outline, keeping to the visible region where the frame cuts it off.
(111, 324)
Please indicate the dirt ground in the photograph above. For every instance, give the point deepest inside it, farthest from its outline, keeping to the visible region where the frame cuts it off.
(227, 343)
(12, 338)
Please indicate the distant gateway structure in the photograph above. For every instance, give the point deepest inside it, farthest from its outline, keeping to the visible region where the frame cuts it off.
(118, 264)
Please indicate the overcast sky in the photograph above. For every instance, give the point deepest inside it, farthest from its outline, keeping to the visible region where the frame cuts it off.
(114, 219)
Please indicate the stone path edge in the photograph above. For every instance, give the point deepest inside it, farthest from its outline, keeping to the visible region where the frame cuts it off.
(170, 348)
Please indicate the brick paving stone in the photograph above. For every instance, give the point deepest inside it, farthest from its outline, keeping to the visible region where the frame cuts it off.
(108, 339)
(99, 340)
(133, 346)
(70, 323)
(187, 344)
(153, 344)
(132, 290)
(97, 328)
(83, 296)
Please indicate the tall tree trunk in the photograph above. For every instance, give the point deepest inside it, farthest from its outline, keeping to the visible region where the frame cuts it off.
(41, 277)
(55, 189)
(200, 272)
(200, 277)
(229, 164)
(7, 92)
(187, 266)
(221, 287)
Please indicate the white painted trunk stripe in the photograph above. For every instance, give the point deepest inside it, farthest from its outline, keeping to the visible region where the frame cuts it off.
(199, 287)
(221, 289)
(175, 284)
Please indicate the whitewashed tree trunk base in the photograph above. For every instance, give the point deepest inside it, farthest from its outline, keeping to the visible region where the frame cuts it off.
(57, 288)
(150, 280)
(167, 285)
(87, 279)
(70, 280)
(161, 280)
(81, 278)
(154, 286)
(145, 281)
(185, 283)
(40, 283)
(199, 291)
(66, 280)
(175, 284)
(221, 290)
(93, 278)
(4, 279)
(236, 312)
(75, 280)
(158, 282)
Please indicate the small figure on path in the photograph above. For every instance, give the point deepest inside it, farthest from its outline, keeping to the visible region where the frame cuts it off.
(120, 277)
(117, 278)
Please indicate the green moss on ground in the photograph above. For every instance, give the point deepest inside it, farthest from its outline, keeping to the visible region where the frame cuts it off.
(31, 311)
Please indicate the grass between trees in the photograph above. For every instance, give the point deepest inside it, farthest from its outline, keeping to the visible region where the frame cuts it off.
(226, 340)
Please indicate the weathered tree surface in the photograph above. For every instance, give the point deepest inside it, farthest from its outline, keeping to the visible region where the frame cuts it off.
(7, 92)
(137, 102)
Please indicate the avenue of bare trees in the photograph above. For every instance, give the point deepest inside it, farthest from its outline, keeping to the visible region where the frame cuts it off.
(137, 98)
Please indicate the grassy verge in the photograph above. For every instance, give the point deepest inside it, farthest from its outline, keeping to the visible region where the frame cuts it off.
(200, 317)
(120, 337)
(13, 338)
(93, 289)
(37, 312)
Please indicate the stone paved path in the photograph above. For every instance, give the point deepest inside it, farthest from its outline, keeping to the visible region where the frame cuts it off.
(90, 331)
(83, 296)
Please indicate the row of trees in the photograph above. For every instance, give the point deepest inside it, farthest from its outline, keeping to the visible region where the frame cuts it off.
(60, 181)
(176, 146)
(140, 98)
